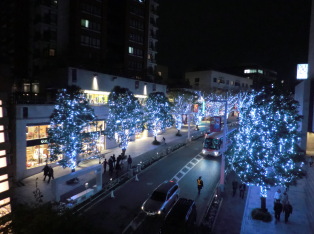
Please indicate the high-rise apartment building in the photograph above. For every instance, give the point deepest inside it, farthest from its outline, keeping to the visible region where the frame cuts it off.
(40, 38)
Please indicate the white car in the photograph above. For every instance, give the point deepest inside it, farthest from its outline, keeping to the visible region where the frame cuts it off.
(162, 199)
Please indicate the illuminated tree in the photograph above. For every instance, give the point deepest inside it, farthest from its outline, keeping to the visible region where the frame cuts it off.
(125, 116)
(181, 101)
(157, 113)
(264, 149)
(69, 123)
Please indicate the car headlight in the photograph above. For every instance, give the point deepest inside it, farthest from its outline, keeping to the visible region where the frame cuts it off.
(142, 207)
(204, 151)
(159, 212)
(216, 153)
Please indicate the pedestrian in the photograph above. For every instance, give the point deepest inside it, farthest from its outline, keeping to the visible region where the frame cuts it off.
(199, 184)
(114, 160)
(284, 200)
(164, 140)
(242, 188)
(110, 163)
(129, 162)
(288, 211)
(118, 166)
(277, 209)
(46, 171)
(50, 174)
(311, 161)
(277, 195)
(234, 187)
(105, 165)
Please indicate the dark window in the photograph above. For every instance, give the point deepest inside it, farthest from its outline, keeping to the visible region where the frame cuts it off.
(74, 75)
(25, 112)
(215, 79)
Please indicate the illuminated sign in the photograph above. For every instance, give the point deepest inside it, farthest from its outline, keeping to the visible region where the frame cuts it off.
(302, 71)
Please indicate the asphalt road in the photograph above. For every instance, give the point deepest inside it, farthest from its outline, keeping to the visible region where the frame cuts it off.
(115, 215)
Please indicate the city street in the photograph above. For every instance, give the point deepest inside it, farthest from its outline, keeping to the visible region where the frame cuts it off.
(116, 215)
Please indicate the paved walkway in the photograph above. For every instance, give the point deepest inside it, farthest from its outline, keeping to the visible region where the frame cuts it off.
(234, 215)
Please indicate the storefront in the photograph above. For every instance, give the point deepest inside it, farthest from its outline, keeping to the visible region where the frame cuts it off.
(37, 151)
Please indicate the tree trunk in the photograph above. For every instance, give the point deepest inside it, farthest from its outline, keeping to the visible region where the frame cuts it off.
(263, 197)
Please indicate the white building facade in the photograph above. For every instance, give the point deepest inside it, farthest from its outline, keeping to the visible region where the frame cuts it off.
(215, 81)
(32, 120)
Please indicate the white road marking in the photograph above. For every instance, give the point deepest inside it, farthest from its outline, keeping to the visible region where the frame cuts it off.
(186, 168)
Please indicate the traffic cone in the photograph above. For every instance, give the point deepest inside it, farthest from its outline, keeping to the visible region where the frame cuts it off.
(112, 194)
(136, 178)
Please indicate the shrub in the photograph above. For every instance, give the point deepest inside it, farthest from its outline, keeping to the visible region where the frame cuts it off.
(260, 214)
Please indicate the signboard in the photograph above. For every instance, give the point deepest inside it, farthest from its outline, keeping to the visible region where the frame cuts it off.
(215, 124)
(195, 108)
(302, 71)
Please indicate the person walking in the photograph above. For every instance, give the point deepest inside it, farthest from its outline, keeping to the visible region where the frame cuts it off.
(278, 210)
(234, 187)
(284, 200)
(287, 211)
(242, 188)
(46, 171)
(277, 195)
(199, 184)
(105, 165)
(129, 162)
(164, 140)
(50, 174)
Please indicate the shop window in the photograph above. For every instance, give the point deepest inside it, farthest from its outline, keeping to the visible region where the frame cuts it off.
(4, 186)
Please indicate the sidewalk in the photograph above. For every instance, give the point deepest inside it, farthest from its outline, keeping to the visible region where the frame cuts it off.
(139, 150)
(235, 214)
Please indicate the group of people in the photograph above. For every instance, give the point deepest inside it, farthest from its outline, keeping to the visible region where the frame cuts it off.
(116, 163)
(242, 188)
(48, 171)
(282, 204)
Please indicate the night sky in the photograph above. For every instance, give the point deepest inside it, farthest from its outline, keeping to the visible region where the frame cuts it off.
(225, 33)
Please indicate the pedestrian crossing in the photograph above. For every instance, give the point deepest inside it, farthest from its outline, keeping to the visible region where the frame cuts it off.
(189, 166)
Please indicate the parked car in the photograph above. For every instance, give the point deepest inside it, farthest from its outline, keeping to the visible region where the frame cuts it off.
(181, 218)
(162, 198)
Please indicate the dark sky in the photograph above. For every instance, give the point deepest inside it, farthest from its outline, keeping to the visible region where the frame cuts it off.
(224, 33)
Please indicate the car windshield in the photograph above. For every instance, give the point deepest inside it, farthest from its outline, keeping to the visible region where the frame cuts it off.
(211, 143)
(158, 196)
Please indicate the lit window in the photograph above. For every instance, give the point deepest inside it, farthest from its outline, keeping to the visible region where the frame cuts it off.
(260, 71)
(27, 87)
(4, 186)
(85, 23)
(1, 112)
(159, 73)
(35, 87)
(4, 210)
(52, 52)
(3, 177)
(131, 50)
(2, 137)
(2, 152)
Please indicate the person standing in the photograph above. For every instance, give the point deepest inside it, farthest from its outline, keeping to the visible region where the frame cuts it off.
(129, 162)
(46, 171)
(287, 210)
(242, 188)
(164, 140)
(110, 163)
(234, 187)
(199, 184)
(105, 165)
(278, 210)
(114, 160)
(50, 174)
